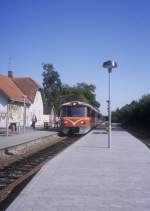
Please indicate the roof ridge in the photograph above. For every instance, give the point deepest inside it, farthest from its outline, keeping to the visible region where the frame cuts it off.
(28, 78)
(28, 86)
(22, 77)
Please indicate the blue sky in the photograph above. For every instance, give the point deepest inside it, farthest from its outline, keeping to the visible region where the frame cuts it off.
(76, 36)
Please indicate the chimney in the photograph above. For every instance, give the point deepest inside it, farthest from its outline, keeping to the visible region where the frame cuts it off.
(10, 73)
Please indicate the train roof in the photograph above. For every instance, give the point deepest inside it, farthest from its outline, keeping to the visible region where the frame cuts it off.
(73, 103)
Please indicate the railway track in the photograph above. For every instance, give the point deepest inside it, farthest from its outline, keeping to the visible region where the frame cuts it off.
(14, 174)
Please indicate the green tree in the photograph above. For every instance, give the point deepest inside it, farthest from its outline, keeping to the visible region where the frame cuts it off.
(136, 114)
(51, 85)
(88, 91)
(81, 92)
(71, 93)
(56, 93)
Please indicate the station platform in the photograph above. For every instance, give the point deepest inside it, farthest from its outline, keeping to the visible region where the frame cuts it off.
(89, 176)
(27, 136)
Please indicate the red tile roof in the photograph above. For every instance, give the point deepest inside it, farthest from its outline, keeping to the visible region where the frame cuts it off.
(11, 91)
(27, 86)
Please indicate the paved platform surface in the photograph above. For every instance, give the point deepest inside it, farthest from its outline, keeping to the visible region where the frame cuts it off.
(90, 177)
(29, 135)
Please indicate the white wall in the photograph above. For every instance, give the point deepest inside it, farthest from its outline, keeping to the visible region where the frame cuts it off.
(3, 111)
(37, 109)
(3, 104)
(17, 111)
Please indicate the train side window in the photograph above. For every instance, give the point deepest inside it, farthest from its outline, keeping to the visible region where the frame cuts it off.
(88, 112)
(93, 113)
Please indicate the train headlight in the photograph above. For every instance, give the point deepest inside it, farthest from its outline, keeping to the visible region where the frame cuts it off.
(65, 122)
(82, 122)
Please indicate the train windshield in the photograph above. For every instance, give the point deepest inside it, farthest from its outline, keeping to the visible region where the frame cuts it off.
(73, 111)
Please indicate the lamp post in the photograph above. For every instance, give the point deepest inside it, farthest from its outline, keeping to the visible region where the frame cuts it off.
(109, 65)
(24, 112)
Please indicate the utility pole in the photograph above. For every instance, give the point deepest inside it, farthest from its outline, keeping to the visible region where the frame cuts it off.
(109, 65)
(24, 112)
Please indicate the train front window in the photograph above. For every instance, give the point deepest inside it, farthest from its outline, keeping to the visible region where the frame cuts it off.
(77, 111)
(73, 111)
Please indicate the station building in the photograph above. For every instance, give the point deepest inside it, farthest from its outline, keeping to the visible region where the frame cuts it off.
(20, 98)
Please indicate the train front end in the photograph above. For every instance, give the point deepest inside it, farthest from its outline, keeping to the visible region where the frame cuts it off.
(74, 118)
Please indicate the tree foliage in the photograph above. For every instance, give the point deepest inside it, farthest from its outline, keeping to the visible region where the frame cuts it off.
(82, 92)
(51, 85)
(88, 92)
(57, 93)
(137, 113)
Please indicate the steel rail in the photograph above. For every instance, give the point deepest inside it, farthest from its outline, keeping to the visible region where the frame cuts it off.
(14, 174)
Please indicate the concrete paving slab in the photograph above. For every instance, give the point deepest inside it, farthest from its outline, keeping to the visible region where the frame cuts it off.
(29, 135)
(88, 176)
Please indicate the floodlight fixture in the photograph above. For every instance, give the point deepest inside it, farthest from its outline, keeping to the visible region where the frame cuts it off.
(110, 64)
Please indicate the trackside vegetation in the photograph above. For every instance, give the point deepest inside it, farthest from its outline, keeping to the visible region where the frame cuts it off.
(135, 114)
(56, 93)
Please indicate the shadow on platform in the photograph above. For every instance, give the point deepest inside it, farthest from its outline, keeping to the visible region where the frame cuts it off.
(100, 132)
(113, 128)
(102, 147)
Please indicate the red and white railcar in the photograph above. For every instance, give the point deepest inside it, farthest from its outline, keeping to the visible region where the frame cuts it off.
(78, 117)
